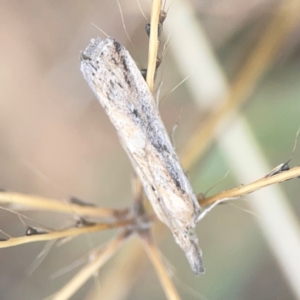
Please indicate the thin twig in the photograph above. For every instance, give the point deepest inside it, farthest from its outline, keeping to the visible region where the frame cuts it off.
(41, 203)
(160, 268)
(91, 268)
(152, 55)
(126, 270)
(62, 234)
(152, 251)
(251, 187)
(153, 43)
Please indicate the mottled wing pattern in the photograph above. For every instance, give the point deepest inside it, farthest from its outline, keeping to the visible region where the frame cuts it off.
(120, 88)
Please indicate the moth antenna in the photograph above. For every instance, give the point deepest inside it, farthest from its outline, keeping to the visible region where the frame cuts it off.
(248, 211)
(100, 29)
(215, 184)
(21, 217)
(6, 234)
(141, 10)
(177, 86)
(173, 135)
(123, 23)
(53, 184)
(157, 95)
(70, 267)
(40, 258)
(189, 290)
(295, 143)
(173, 273)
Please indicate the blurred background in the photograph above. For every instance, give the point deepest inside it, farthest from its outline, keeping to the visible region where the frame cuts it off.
(56, 141)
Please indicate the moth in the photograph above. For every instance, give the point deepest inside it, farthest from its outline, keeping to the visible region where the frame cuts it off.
(122, 91)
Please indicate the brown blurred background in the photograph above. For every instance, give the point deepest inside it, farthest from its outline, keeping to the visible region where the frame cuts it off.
(56, 141)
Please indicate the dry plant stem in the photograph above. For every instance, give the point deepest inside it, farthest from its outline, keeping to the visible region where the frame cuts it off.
(152, 251)
(152, 54)
(73, 232)
(123, 23)
(255, 67)
(252, 187)
(126, 270)
(160, 268)
(153, 43)
(91, 268)
(40, 203)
